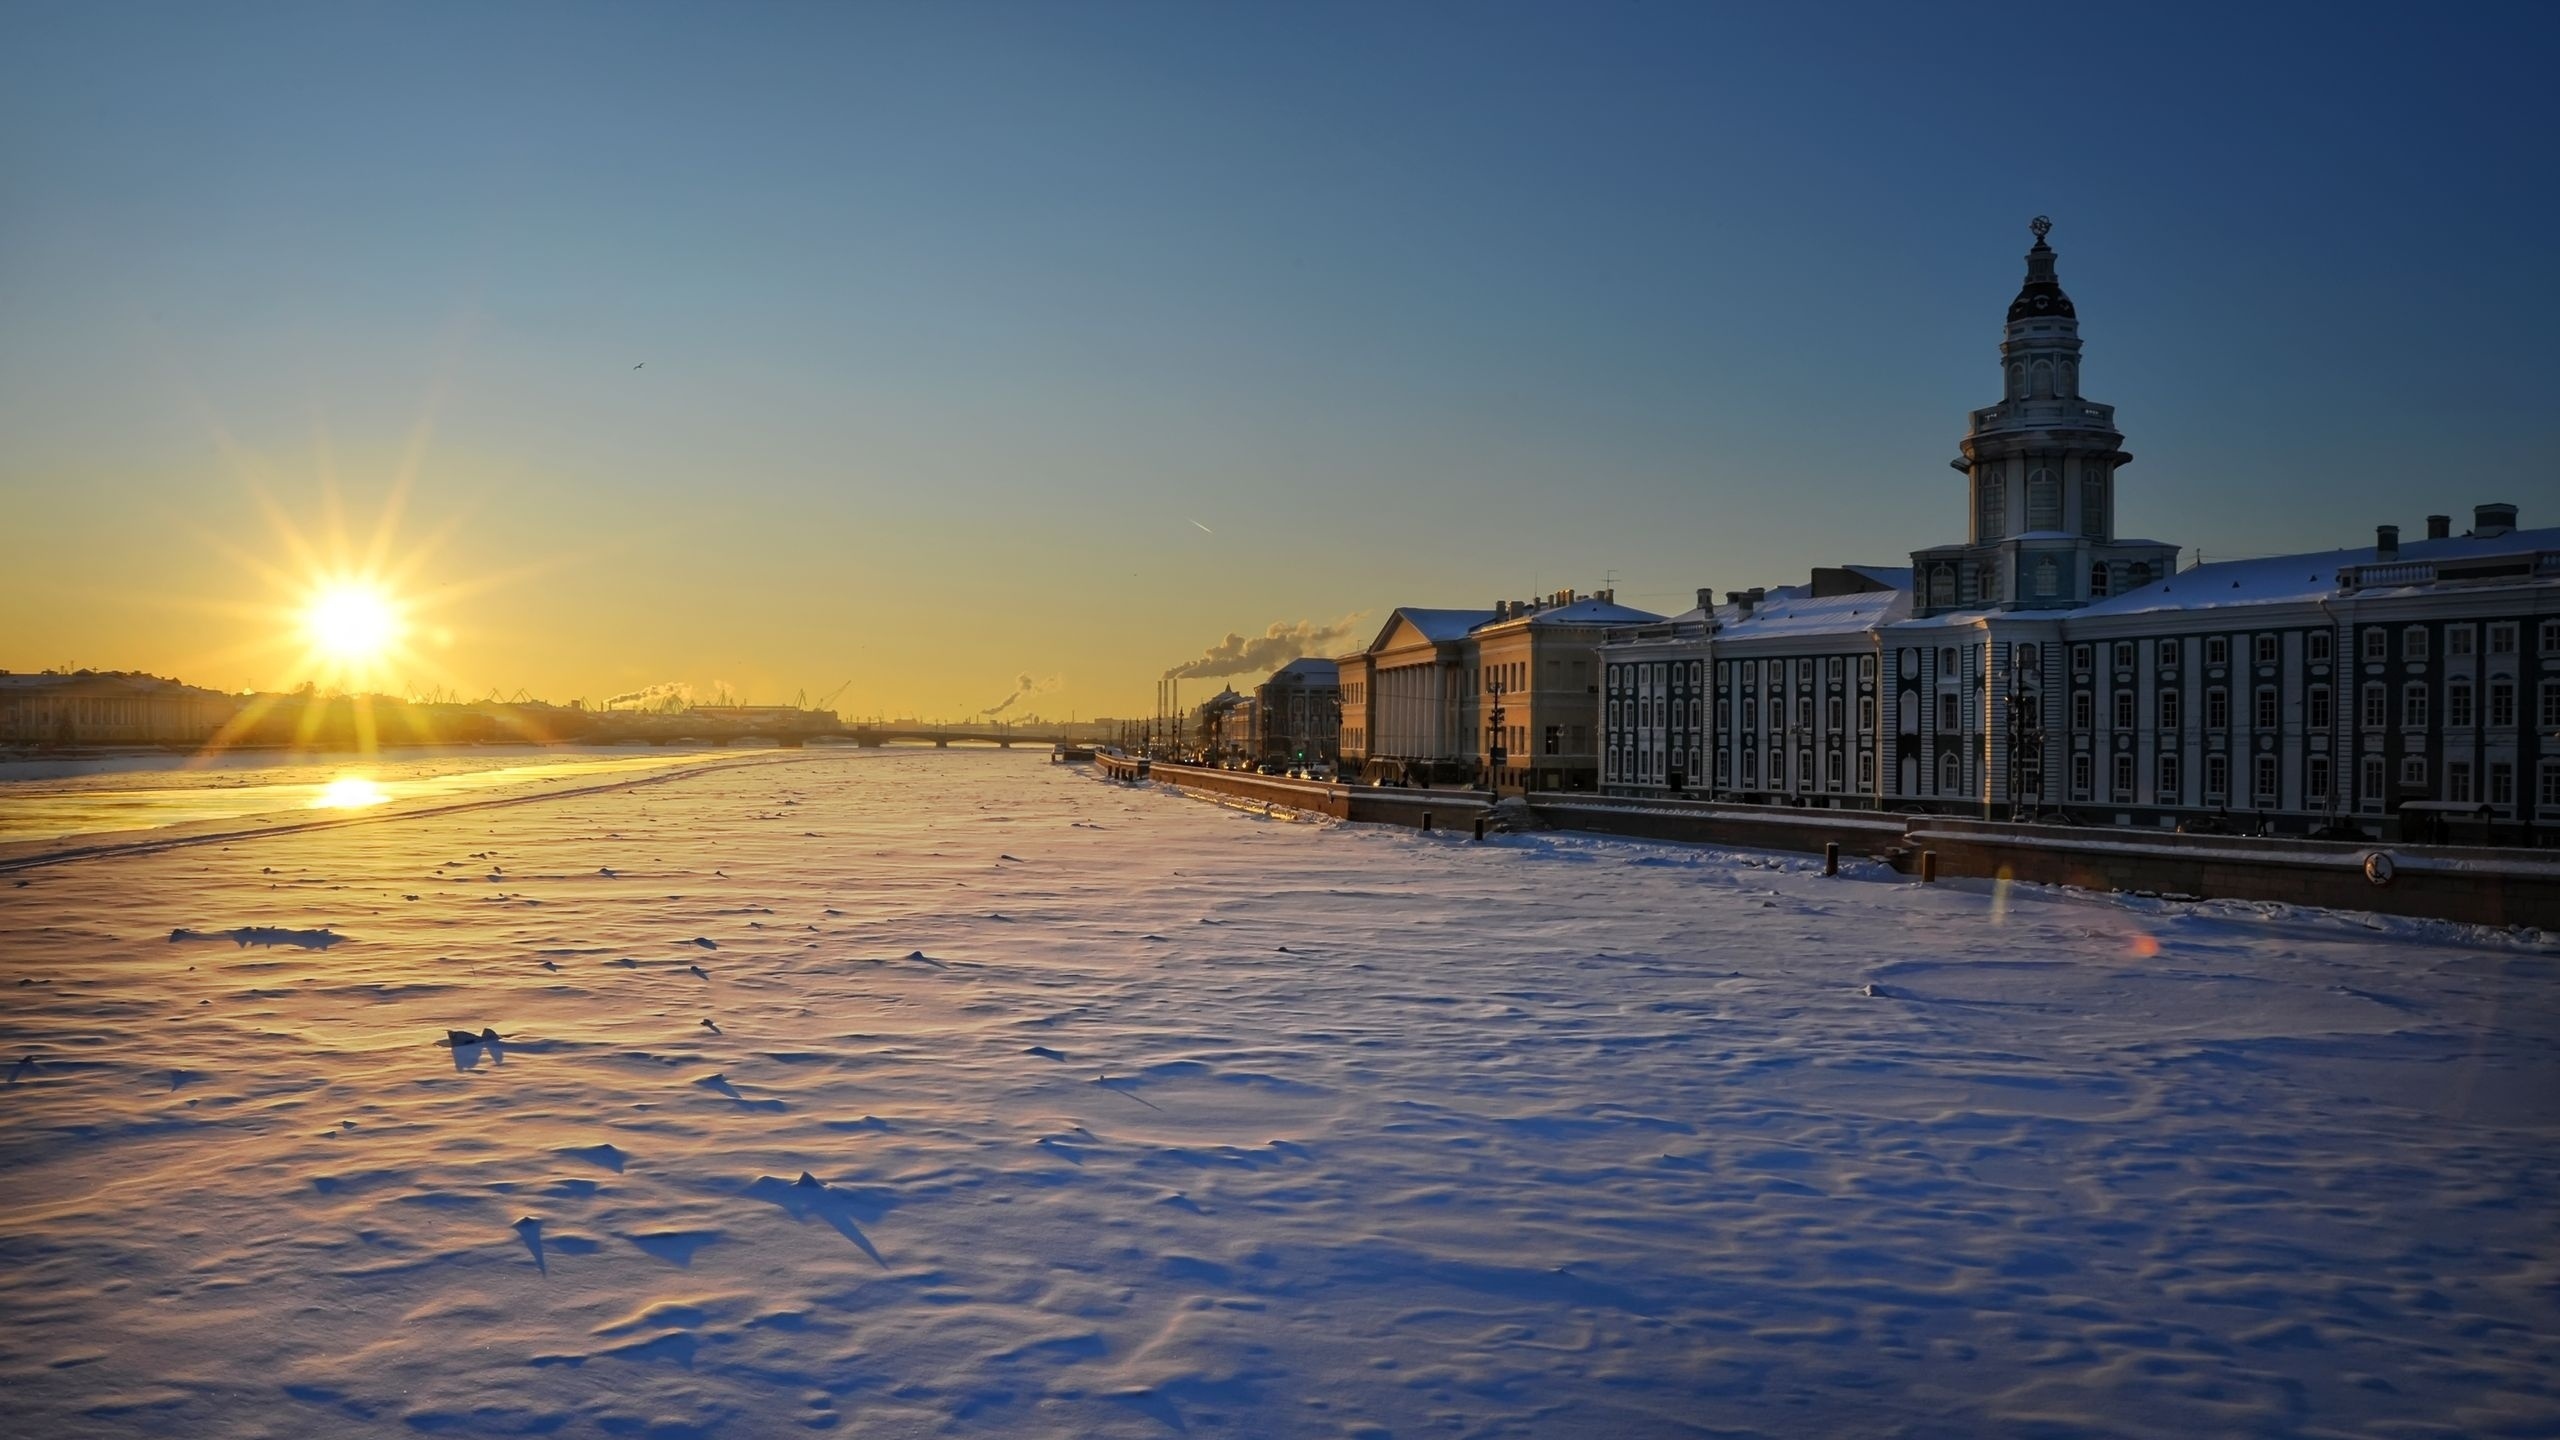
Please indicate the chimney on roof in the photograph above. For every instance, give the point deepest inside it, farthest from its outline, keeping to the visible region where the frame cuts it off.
(2488, 522)
(1741, 602)
(1605, 597)
(2386, 542)
(2439, 527)
(1706, 599)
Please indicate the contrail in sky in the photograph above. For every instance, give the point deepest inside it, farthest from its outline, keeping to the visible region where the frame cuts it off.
(1205, 530)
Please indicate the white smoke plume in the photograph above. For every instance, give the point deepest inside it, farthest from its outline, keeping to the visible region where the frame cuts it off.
(658, 699)
(1024, 687)
(1285, 641)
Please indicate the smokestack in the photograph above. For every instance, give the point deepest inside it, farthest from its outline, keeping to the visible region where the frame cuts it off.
(2491, 521)
(2439, 527)
(2386, 542)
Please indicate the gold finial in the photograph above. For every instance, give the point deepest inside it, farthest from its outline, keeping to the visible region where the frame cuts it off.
(2042, 225)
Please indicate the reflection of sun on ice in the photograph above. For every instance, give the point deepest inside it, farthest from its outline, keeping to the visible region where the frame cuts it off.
(349, 792)
(350, 621)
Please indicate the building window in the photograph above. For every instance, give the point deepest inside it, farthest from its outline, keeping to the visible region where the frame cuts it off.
(1751, 768)
(2376, 647)
(2098, 580)
(2217, 650)
(1804, 769)
(2413, 642)
(2549, 644)
(2267, 649)
(2079, 777)
(1835, 713)
(2550, 704)
(2266, 776)
(2458, 642)
(1991, 521)
(2457, 781)
(2376, 713)
(2081, 711)
(1777, 768)
(2124, 654)
(2124, 709)
(2080, 659)
(2316, 714)
(1724, 768)
(1866, 669)
(2217, 709)
(1950, 775)
(2316, 646)
(2315, 780)
(1947, 663)
(2413, 707)
(2048, 578)
(2413, 770)
(2168, 709)
(1867, 714)
(2217, 776)
(2371, 790)
(2044, 501)
(1866, 772)
(2266, 716)
(2548, 791)
(2502, 704)
(2093, 506)
(1950, 711)
(2124, 777)
(1942, 585)
(2168, 778)
(2502, 784)
(2457, 704)
(1834, 770)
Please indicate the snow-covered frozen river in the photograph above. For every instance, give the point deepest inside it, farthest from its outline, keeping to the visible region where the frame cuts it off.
(1124, 1114)
(61, 798)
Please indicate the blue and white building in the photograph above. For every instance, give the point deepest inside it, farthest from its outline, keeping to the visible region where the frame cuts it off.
(2048, 666)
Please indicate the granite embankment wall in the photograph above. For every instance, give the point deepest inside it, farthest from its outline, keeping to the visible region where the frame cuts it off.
(2473, 885)
(1447, 809)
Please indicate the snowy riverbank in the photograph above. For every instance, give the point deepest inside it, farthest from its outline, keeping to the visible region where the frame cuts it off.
(1127, 1115)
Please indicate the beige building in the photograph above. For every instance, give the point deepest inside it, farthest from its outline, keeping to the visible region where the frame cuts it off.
(1439, 692)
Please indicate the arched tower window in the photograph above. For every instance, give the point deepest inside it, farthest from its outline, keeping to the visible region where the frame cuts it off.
(1991, 498)
(2137, 574)
(2098, 581)
(2070, 378)
(2093, 503)
(1942, 585)
(2044, 380)
(1950, 775)
(2044, 501)
(2017, 381)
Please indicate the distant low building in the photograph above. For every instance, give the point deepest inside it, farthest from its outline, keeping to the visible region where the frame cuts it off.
(109, 708)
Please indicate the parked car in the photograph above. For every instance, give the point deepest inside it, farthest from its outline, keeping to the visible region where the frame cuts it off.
(1271, 767)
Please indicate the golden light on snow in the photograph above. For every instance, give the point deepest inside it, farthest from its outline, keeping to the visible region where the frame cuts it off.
(349, 792)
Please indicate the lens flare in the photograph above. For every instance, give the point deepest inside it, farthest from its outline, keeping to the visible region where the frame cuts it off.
(352, 623)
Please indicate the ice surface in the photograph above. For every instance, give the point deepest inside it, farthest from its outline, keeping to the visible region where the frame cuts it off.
(1549, 1135)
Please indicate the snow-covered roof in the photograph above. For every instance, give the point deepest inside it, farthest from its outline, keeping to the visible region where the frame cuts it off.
(1307, 671)
(2311, 575)
(1442, 624)
(1794, 611)
(1580, 612)
(1897, 576)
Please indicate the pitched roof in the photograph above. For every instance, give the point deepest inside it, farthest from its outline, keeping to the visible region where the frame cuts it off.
(2310, 575)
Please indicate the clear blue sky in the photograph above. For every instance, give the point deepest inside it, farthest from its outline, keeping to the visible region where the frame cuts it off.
(955, 316)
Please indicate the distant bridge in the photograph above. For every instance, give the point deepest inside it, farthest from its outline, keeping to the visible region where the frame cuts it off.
(792, 729)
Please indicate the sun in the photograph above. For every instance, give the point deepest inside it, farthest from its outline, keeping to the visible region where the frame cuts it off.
(351, 623)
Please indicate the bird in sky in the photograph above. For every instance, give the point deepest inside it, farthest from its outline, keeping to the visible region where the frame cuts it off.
(643, 365)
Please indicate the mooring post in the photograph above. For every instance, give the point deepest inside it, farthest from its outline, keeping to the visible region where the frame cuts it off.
(1929, 866)
(1831, 858)
(1479, 827)
(1426, 820)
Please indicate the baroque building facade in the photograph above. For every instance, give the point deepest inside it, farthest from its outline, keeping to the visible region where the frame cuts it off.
(2047, 667)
